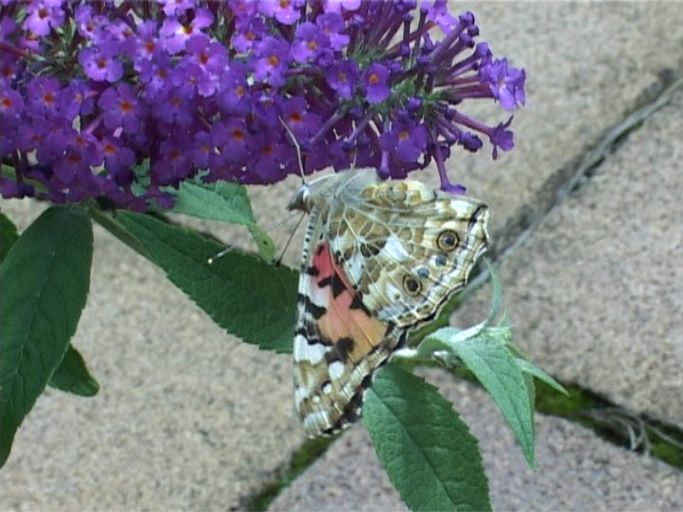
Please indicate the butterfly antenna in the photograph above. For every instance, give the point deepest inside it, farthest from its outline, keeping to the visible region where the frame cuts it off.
(289, 240)
(219, 255)
(298, 149)
(231, 247)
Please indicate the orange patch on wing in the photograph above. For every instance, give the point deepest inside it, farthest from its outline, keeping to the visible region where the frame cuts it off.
(341, 321)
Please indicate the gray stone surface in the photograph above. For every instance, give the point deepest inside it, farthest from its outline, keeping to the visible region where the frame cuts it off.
(596, 294)
(187, 417)
(576, 470)
(190, 419)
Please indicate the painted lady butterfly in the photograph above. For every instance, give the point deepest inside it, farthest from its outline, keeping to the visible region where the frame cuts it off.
(379, 259)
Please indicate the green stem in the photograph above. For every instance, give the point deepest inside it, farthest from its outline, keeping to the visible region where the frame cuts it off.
(110, 223)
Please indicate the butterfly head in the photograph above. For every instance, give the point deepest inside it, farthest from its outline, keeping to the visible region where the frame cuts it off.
(301, 200)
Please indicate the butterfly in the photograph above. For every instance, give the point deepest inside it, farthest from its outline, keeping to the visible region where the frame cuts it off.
(380, 259)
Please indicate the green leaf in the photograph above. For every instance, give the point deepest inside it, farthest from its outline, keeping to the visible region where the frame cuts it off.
(266, 246)
(227, 202)
(531, 397)
(8, 235)
(72, 375)
(427, 451)
(535, 371)
(241, 293)
(44, 282)
(489, 358)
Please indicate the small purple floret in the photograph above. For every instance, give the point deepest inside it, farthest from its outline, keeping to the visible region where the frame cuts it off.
(376, 82)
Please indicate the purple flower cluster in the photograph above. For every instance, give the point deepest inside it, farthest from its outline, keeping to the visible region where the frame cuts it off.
(124, 100)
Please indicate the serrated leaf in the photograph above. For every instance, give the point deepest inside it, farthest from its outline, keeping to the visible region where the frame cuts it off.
(226, 202)
(247, 297)
(531, 396)
(8, 235)
(428, 452)
(44, 281)
(72, 375)
(531, 369)
(489, 358)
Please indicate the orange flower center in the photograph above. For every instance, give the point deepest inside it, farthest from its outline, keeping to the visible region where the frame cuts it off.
(126, 106)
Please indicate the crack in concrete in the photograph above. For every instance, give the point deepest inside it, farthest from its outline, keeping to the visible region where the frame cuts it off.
(584, 170)
(561, 184)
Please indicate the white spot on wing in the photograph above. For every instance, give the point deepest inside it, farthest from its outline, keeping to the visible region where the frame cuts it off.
(303, 351)
(317, 421)
(317, 295)
(299, 394)
(336, 370)
(355, 267)
(394, 250)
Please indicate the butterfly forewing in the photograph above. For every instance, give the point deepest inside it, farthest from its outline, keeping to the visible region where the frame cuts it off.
(337, 343)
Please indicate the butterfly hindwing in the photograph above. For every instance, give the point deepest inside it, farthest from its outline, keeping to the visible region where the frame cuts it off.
(406, 248)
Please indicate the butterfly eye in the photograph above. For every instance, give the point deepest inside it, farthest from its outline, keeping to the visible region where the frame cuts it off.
(411, 285)
(447, 240)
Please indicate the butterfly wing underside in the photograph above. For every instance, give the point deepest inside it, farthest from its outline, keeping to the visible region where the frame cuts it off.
(338, 344)
(380, 259)
(406, 248)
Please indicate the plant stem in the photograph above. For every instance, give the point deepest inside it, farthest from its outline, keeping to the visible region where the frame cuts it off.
(110, 223)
